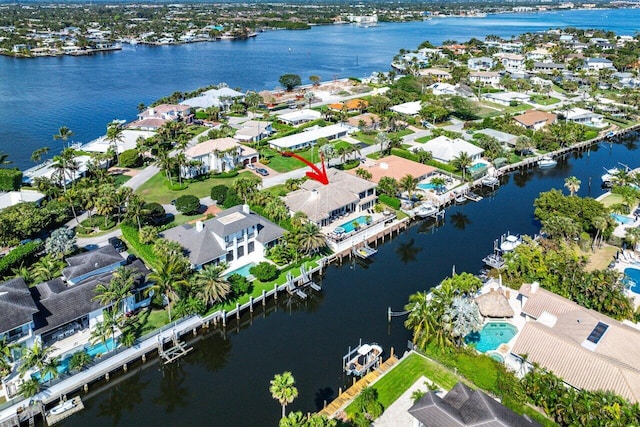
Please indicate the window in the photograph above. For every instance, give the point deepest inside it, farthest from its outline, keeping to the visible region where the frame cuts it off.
(229, 256)
(598, 332)
(240, 251)
(251, 247)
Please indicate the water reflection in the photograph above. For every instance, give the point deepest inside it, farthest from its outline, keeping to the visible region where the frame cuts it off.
(460, 220)
(173, 393)
(122, 398)
(408, 251)
(213, 352)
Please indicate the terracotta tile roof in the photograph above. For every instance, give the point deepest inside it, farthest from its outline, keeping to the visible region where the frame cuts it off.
(396, 167)
(533, 117)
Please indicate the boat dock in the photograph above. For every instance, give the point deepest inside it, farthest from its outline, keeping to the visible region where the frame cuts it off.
(364, 251)
(76, 406)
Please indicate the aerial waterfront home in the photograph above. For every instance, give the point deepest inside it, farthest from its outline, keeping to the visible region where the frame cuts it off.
(536, 120)
(512, 62)
(538, 54)
(587, 349)
(503, 137)
(445, 149)
(17, 308)
(482, 63)
(585, 117)
(298, 117)
(462, 406)
(253, 131)
(548, 67)
(485, 77)
(217, 155)
(597, 64)
(438, 75)
(322, 204)
(506, 98)
(408, 108)
(397, 168)
(350, 106)
(12, 198)
(365, 120)
(220, 98)
(309, 137)
(129, 141)
(236, 236)
(154, 118)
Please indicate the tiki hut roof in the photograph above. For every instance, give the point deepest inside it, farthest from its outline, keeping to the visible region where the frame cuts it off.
(494, 304)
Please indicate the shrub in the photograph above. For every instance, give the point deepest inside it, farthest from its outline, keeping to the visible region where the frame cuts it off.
(108, 225)
(10, 179)
(239, 285)
(188, 204)
(231, 199)
(130, 158)
(19, 255)
(147, 234)
(393, 202)
(219, 193)
(228, 174)
(264, 271)
(155, 212)
(61, 242)
(130, 234)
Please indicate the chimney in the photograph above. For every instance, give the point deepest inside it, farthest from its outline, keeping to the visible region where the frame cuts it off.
(314, 193)
(534, 287)
(245, 209)
(199, 226)
(152, 112)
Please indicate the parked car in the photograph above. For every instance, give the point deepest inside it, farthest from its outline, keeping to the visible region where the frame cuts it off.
(262, 171)
(117, 244)
(251, 166)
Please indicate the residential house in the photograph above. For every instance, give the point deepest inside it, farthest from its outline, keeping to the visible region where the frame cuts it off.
(490, 78)
(512, 62)
(408, 108)
(462, 406)
(534, 119)
(548, 67)
(365, 121)
(396, 167)
(310, 137)
(538, 54)
(445, 149)
(506, 98)
(154, 118)
(298, 117)
(81, 267)
(128, 142)
(457, 49)
(438, 75)
(17, 308)
(597, 64)
(253, 131)
(236, 236)
(585, 117)
(626, 80)
(221, 98)
(482, 63)
(322, 204)
(12, 198)
(598, 352)
(503, 137)
(217, 155)
(350, 106)
(443, 89)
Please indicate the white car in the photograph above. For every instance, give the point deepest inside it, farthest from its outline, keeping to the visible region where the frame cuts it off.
(251, 166)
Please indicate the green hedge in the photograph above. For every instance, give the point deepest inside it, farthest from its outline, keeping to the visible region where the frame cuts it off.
(131, 235)
(394, 202)
(10, 179)
(19, 255)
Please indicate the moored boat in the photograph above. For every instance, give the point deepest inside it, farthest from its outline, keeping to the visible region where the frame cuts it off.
(426, 210)
(362, 358)
(547, 162)
(490, 181)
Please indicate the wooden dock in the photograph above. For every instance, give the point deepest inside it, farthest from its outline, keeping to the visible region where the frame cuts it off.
(56, 418)
(344, 398)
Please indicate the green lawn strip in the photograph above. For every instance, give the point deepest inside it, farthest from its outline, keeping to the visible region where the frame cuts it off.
(147, 321)
(368, 139)
(611, 199)
(156, 190)
(558, 89)
(277, 190)
(424, 139)
(280, 163)
(398, 380)
(543, 100)
(121, 179)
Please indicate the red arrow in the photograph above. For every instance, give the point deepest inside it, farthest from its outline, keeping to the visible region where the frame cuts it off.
(317, 174)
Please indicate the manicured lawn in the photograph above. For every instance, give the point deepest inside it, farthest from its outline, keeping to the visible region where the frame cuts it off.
(600, 259)
(403, 132)
(543, 100)
(398, 380)
(280, 163)
(147, 321)
(611, 199)
(156, 190)
(368, 139)
(276, 190)
(121, 179)
(424, 139)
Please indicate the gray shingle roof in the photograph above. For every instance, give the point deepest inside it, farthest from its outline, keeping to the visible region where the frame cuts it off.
(82, 264)
(462, 406)
(60, 303)
(16, 305)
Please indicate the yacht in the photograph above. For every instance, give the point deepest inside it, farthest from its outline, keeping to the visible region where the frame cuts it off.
(547, 162)
(490, 181)
(426, 210)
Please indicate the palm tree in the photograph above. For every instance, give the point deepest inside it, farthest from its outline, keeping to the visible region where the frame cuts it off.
(65, 166)
(462, 162)
(6, 356)
(439, 184)
(164, 161)
(79, 360)
(115, 135)
(37, 154)
(46, 268)
(632, 236)
(408, 183)
(283, 389)
(383, 140)
(311, 238)
(212, 286)
(245, 186)
(64, 133)
(120, 287)
(50, 369)
(136, 209)
(299, 219)
(29, 388)
(600, 223)
(573, 184)
(34, 357)
(168, 275)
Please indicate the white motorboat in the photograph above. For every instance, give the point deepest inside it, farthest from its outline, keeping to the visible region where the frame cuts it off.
(490, 181)
(62, 407)
(547, 162)
(509, 243)
(362, 358)
(426, 210)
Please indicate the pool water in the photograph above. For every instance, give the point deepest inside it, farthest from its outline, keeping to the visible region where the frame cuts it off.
(621, 218)
(491, 336)
(496, 356)
(429, 186)
(477, 167)
(63, 365)
(348, 226)
(243, 271)
(632, 279)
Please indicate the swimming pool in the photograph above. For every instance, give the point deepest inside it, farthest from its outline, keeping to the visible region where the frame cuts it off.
(63, 365)
(496, 356)
(621, 218)
(348, 226)
(243, 271)
(491, 336)
(430, 186)
(632, 279)
(476, 167)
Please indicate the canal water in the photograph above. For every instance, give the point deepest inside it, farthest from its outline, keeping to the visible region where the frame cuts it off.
(226, 381)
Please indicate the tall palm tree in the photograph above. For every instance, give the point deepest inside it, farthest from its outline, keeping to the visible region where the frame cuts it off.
(212, 286)
(4, 159)
(29, 388)
(115, 135)
(50, 369)
(168, 275)
(65, 167)
(299, 219)
(462, 162)
(46, 268)
(136, 209)
(6, 356)
(164, 161)
(408, 183)
(120, 287)
(283, 389)
(34, 357)
(245, 186)
(572, 184)
(311, 239)
(64, 133)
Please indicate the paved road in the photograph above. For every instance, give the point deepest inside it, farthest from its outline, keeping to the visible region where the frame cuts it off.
(143, 176)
